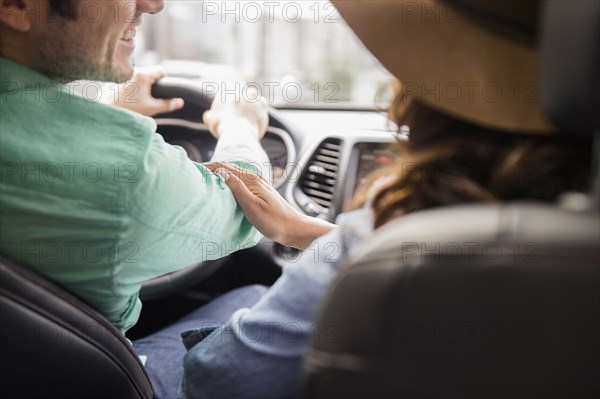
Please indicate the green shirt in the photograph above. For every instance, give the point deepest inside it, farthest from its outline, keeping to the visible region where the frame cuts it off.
(92, 198)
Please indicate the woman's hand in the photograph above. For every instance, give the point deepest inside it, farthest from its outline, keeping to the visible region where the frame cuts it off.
(136, 95)
(267, 210)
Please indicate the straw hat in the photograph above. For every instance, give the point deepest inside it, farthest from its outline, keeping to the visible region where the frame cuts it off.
(474, 59)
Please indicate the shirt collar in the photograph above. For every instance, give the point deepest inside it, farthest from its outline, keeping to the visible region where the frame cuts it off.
(17, 73)
(12, 71)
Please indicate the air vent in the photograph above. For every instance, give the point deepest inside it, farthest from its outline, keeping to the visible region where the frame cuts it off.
(321, 175)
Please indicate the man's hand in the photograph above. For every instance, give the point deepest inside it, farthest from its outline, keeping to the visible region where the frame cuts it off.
(267, 210)
(136, 95)
(230, 116)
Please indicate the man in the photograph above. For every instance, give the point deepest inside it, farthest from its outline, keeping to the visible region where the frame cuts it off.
(90, 195)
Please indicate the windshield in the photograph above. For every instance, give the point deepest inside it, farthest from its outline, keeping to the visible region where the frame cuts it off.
(296, 53)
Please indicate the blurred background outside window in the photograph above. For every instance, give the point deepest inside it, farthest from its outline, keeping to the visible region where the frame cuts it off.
(297, 53)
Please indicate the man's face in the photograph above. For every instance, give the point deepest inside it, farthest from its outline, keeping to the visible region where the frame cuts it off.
(97, 45)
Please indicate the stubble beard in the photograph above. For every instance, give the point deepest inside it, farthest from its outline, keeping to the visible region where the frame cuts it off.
(65, 58)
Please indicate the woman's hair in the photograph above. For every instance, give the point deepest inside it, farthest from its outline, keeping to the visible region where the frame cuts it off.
(447, 161)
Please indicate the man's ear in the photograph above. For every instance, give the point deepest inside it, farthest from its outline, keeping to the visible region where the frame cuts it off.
(20, 14)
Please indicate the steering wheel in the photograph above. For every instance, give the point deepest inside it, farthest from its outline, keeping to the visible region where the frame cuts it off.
(196, 102)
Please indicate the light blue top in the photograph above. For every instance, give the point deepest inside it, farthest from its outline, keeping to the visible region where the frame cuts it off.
(258, 352)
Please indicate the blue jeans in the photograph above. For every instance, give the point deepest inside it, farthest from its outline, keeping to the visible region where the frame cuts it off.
(164, 349)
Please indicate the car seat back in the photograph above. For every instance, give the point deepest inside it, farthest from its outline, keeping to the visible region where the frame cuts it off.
(55, 346)
(478, 301)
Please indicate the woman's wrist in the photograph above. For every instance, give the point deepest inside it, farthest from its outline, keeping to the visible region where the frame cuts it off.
(306, 230)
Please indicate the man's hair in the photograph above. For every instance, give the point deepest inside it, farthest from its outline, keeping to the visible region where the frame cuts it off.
(63, 8)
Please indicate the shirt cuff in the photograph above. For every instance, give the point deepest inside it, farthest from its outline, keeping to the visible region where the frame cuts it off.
(236, 146)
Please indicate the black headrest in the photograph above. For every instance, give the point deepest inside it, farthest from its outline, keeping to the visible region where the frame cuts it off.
(571, 64)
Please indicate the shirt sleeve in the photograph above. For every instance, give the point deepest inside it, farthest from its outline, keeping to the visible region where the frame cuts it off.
(258, 352)
(244, 150)
(180, 214)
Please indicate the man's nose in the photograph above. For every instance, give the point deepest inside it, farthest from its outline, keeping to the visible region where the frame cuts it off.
(150, 6)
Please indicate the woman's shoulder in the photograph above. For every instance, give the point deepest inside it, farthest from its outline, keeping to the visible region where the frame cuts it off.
(354, 227)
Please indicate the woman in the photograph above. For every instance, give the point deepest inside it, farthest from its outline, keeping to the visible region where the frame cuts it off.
(472, 139)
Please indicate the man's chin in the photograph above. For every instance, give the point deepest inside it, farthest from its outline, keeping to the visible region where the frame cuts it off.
(122, 77)
(121, 72)
(113, 74)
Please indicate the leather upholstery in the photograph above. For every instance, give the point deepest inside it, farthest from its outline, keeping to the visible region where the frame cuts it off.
(478, 301)
(571, 65)
(55, 346)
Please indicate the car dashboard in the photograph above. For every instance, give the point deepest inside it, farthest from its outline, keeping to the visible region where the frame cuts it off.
(337, 149)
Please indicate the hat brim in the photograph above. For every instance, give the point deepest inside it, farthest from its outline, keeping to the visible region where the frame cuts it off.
(451, 62)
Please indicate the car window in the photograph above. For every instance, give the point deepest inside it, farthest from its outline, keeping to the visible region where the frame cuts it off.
(298, 53)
